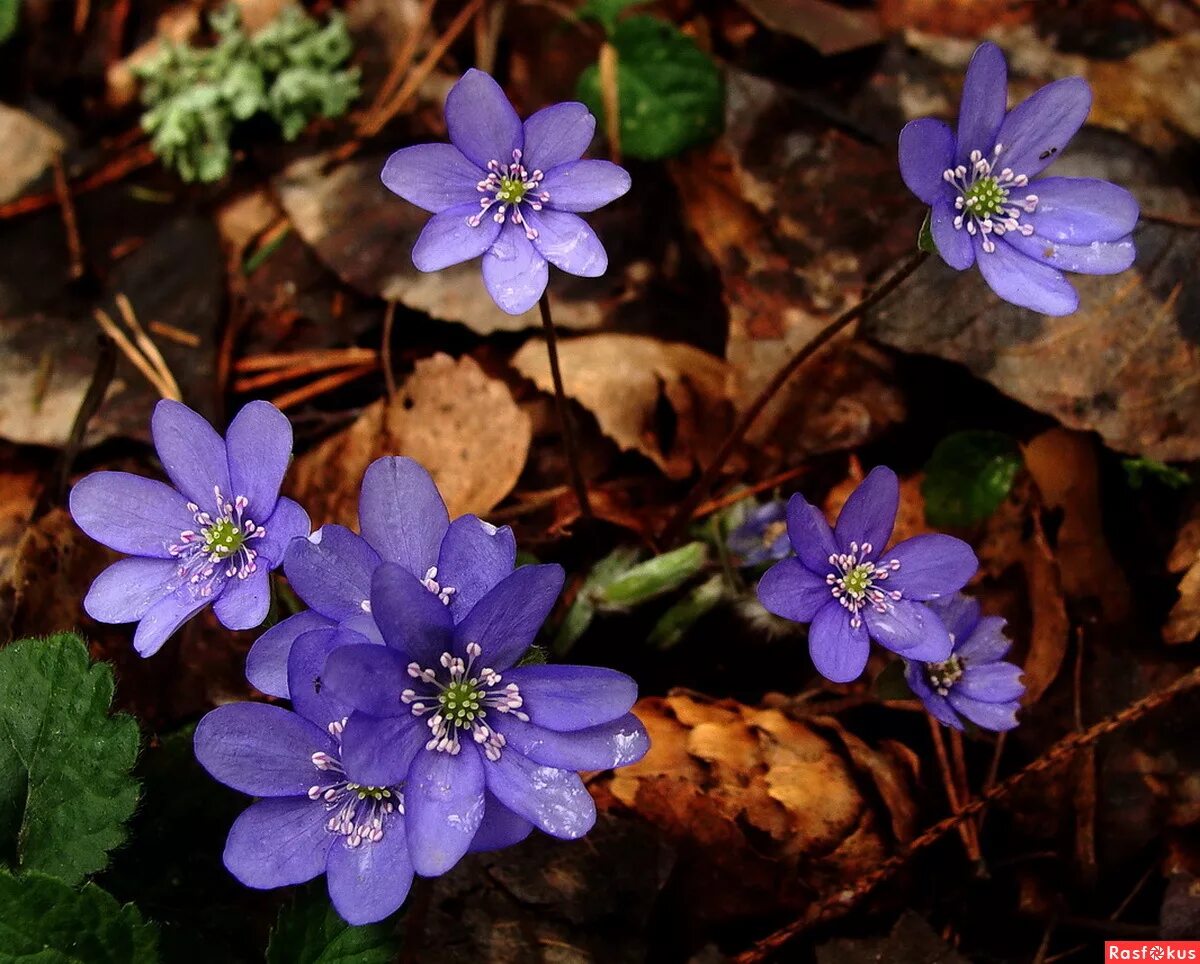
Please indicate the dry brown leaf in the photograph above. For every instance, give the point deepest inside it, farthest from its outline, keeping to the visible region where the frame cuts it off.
(20, 486)
(1183, 623)
(27, 149)
(624, 379)
(463, 426)
(768, 809)
(829, 28)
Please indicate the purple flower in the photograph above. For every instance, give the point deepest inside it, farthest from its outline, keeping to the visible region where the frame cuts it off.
(849, 589)
(986, 207)
(762, 537)
(443, 706)
(973, 681)
(507, 191)
(213, 537)
(404, 521)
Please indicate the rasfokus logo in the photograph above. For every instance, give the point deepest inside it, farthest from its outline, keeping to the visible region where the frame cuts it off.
(1152, 950)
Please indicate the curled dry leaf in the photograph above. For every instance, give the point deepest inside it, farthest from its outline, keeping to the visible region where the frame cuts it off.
(1183, 623)
(624, 381)
(767, 810)
(463, 426)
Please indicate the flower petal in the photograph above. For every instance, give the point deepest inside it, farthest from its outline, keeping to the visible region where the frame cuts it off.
(500, 827)
(481, 121)
(986, 642)
(259, 749)
(259, 446)
(1022, 281)
(448, 239)
(401, 514)
(131, 514)
(280, 842)
(555, 801)
(838, 650)
(990, 716)
(931, 565)
(413, 621)
(953, 244)
(371, 881)
(984, 99)
(810, 535)
(568, 243)
(789, 590)
(1098, 257)
(266, 663)
(443, 807)
(311, 698)
(368, 677)
(910, 629)
(164, 617)
(868, 516)
(935, 703)
(434, 177)
(583, 186)
(1038, 128)
(514, 271)
(1080, 210)
(959, 613)
(192, 453)
(245, 603)
(379, 752)
(557, 134)
(617, 743)
(507, 620)
(991, 683)
(331, 571)
(926, 151)
(289, 521)
(474, 557)
(567, 698)
(126, 590)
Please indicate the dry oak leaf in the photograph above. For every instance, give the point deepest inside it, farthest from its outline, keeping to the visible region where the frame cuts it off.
(1183, 623)
(463, 426)
(766, 810)
(623, 381)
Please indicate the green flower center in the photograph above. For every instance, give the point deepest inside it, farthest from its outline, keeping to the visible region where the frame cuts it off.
(985, 197)
(369, 793)
(944, 675)
(223, 538)
(512, 190)
(461, 702)
(857, 581)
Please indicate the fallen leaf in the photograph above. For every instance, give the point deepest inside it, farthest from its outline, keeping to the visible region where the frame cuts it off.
(829, 28)
(624, 381)
(911, 941)
(1183, 622)
(463, 426)
(20, 486)
(27, 149)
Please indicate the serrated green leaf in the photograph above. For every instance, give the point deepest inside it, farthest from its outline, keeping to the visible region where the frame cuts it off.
(925, 238)
(1138, 470)
(674, 624)
(967, 477)
(10, 13)
(65, 788)
(44, 921)
(670, 92)
(655, 576)
(606, 12)
(309, 931)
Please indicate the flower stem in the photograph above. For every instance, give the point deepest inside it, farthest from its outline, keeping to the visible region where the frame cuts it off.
(564, 413)
(683, 515)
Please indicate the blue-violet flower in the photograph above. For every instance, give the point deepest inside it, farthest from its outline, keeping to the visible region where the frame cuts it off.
(845, 584)
(507, 191)
(762, 536)
(212, 536)
(974, 681)
(988, 205)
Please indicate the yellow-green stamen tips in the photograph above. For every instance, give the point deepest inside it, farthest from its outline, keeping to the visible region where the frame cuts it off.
(222, 539)
(461, 702)
(985, 197)
(944, 675)
(511, 190)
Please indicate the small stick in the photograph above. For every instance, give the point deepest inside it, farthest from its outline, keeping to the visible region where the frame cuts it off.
(153, 377)
(93, 398)
(83, 9)
(564, 411)
(188, 339)
(683, 515)
(139, 157)
(274, 376)
(732, 498)
(404, 59)
(320, 386)
(149, 349)
(385, 350)
(318, 358)
(63, 192)
(610, 94)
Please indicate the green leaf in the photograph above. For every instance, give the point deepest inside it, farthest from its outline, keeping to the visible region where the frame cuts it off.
(65, 788)
(44, 921)
(606, 12)
(309, 931)
(676, 621)
(583, 608)
(968, 476)
(656, 576)
(670, 92)
(10, 13)
(1138, 470)
(925, 238)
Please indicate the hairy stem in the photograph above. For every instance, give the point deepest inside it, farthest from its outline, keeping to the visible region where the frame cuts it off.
(564, 412)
